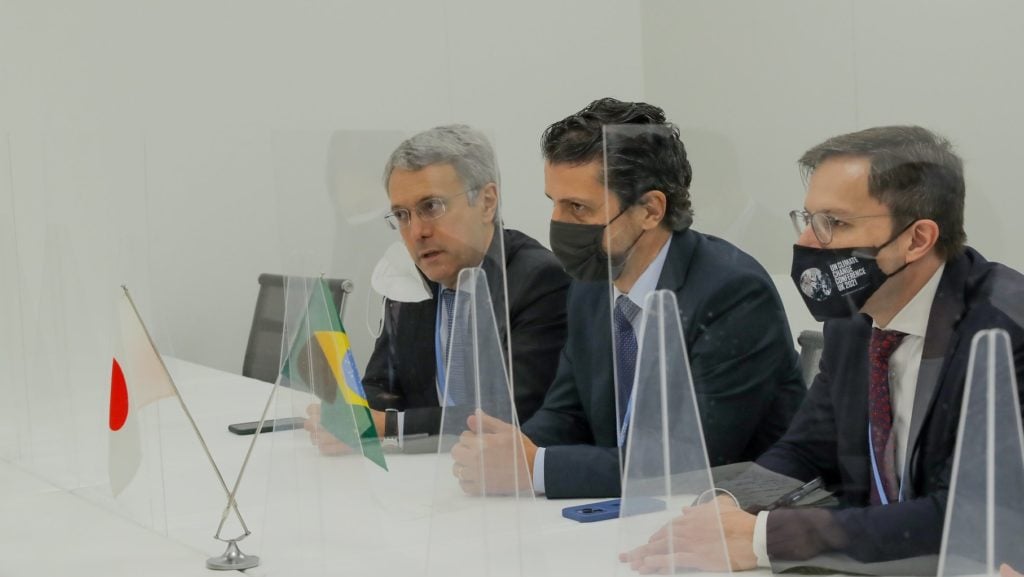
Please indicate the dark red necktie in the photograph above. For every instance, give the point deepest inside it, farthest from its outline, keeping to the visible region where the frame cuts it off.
(883, 443)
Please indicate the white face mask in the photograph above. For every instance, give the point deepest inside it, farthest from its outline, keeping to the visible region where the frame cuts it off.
(397, 278)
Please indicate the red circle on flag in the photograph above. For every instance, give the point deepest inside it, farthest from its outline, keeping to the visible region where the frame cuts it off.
(118, 397)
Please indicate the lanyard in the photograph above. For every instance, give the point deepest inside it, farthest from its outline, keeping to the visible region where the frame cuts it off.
(625, 418)
(877, 476)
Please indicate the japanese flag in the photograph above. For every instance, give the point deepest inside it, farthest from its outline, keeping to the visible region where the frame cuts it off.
(137, 378)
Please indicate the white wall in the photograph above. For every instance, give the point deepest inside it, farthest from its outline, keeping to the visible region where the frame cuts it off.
(166, 144)
(754, 84)
(179, 146)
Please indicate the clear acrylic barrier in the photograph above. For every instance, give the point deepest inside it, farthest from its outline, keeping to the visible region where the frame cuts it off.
(985, 512)
(328, 506)
(666, 468)
(664, 459)
(60, 308)
(482, 529)
(322, 502)
(13, 414)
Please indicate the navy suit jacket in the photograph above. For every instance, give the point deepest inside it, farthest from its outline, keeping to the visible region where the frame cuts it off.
(741, 355)
(402, 370)
(829, 434)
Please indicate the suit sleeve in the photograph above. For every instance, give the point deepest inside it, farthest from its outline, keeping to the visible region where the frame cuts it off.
(573, 466)
(560, 420)
(380, 375)
(866, 534)
(909, 531)
(808, 449)
(537, 327)
(742, 361)
(581, 472)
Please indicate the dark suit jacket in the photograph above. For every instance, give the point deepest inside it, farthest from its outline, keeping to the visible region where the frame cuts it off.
(401, 373)
(829, 434)
(741, 357)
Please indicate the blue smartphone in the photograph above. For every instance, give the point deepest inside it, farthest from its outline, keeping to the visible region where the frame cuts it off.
(610, 509)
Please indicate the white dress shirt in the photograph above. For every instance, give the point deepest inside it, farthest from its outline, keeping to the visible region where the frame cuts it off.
(644, 285)
(903, 369)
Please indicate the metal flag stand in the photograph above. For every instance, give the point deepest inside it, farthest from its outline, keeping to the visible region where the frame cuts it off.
(233, 559)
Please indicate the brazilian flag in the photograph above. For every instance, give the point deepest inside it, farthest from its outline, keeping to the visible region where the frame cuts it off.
(321, 359)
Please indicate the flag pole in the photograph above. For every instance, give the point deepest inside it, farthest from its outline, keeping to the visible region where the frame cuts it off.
(245, 462)
(252, 443)
(237, 559)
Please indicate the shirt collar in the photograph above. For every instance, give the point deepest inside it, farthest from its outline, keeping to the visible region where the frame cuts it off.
(648, 280)
(913, 317)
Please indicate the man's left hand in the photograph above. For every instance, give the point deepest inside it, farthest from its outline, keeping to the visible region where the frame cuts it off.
(493, 457)
(693, 540)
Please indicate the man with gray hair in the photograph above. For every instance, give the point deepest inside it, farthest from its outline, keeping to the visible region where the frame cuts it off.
(443, 187)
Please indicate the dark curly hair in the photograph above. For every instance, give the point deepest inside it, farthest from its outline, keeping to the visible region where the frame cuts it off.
(639, 149)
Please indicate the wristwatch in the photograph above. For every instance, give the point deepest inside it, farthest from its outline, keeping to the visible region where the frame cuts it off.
(390, 439)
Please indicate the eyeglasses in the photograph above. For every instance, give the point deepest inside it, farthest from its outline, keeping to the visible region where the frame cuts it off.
(822, 224)
(427, 209)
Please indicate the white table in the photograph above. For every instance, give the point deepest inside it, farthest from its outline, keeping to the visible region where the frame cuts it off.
(309, 514)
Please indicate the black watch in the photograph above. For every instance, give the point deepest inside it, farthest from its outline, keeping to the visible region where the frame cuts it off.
(391, 424)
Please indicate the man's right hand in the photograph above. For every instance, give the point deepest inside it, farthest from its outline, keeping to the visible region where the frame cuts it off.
(327, 443)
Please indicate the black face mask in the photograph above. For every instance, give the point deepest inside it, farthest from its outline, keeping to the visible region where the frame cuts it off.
(580, 249)
(836, 282)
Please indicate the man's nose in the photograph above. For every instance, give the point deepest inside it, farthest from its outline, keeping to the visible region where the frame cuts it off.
(420, 228)
(808, 238)
(557, 214)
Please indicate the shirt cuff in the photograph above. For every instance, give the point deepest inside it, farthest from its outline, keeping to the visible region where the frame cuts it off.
(401, 428)
(761, 540)
(538, 471)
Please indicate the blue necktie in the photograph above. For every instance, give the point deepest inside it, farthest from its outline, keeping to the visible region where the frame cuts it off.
(625, 349)
(453, 365)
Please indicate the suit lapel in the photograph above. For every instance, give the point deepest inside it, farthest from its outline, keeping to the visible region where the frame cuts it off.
(677, 261)
(940, 340)
(856, 392)
(421, 340)
(601, 369)
(494, 267)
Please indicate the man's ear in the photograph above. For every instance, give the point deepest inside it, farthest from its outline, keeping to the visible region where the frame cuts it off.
(654, 204)
(488, 199)
(923, 235)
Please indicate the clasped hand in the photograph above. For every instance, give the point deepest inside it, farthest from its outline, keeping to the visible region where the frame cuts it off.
(493, 457)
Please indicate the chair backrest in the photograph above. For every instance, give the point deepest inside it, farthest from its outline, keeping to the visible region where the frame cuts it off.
(811, 344)
(263, 352)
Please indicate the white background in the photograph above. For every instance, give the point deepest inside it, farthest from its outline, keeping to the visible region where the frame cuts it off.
(165, 144)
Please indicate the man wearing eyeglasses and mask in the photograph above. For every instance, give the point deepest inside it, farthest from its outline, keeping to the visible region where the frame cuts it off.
(902, 298)
(741, 354)
(443, 188)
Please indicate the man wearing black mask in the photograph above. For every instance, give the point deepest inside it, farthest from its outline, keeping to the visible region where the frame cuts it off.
(881, 259)
(741, 354)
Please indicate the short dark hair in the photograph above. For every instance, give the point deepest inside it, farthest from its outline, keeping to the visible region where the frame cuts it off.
(914, 172)
(647, 155)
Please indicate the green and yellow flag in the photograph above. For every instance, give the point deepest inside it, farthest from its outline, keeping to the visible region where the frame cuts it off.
(321, 359)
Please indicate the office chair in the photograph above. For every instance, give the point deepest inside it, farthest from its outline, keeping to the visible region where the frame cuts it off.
(263, 352)
(811, 343)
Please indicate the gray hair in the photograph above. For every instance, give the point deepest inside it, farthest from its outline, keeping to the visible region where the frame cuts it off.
(465, 148)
